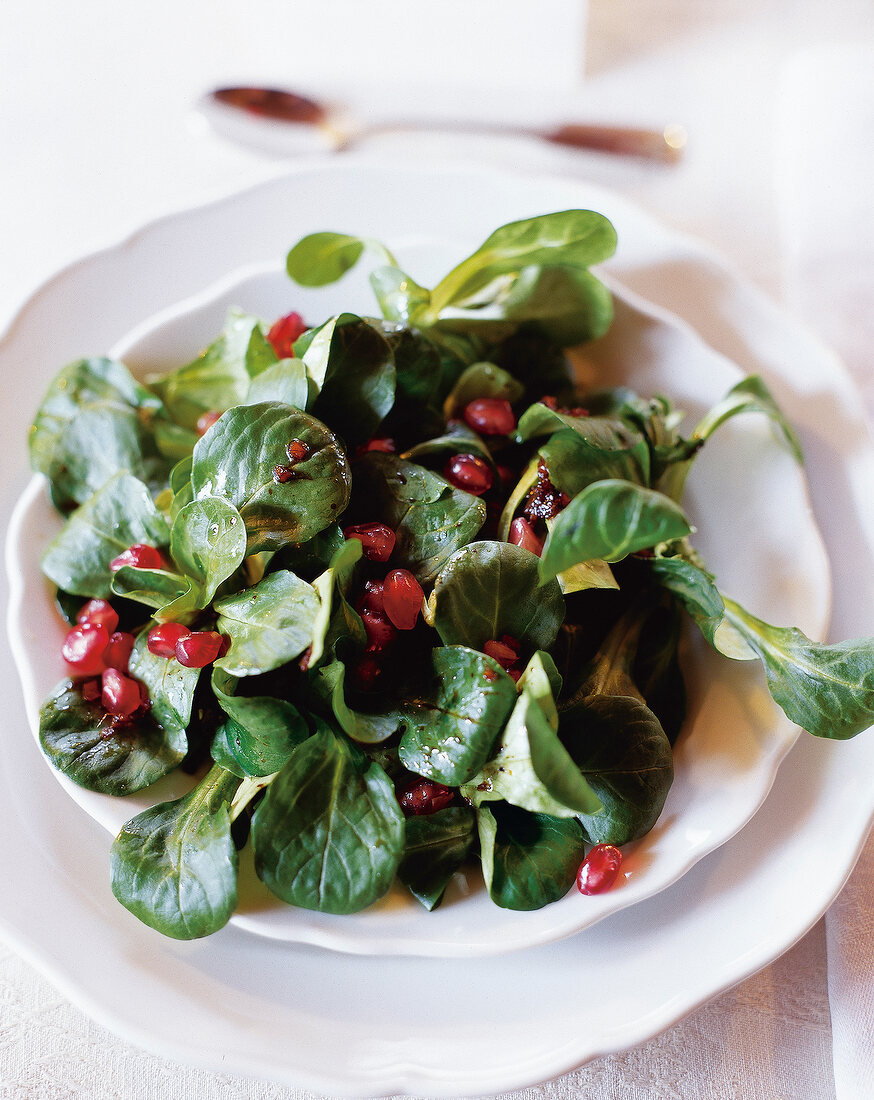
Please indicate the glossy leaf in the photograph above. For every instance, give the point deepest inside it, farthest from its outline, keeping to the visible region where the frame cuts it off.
(489, 589)
(329, 834)
(268, 624)
(260, 733)
(431, 519)
(174, 866)
(208, 543)
(118, 516)
(236, 460)
(529, 860)
(171, 685)
(610, 519)
(78, 740)
(450, 728)
(285, 382)
(322, 258)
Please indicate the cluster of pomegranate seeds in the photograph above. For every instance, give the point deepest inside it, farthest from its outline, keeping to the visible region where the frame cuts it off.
(140, 556)
(402, 597)
(206, 420)
(506, 652)
(599, 870)
(424, 796)
(470, 473)
(490, 416)
(552, 403)
(284, 332)
(544, 501)
(191, 648)
(523, 534)
(377, 539)
(99, 654)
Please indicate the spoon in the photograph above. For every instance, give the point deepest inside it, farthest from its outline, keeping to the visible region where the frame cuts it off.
(276, 109)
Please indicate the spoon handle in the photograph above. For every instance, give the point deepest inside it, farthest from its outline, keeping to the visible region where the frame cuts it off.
(665, 145)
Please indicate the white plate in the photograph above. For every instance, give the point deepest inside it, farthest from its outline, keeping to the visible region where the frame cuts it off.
(304, 1016)
(735, 737)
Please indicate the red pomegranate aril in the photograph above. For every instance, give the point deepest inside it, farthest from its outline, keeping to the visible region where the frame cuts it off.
(84, 647)
(383, 444)
(500, 652)
(117, 654)
(599, 870)
(515, 674)
(365, 672)
(424, 796)
(490, 416)
(199, 648)
(372, 598)
(380, 632)
(523, 534)
(469, 473)
(162, 638)
(297, 450)
(91, 690)
(206, 420)
(120, 695)
(99, 612)
(140, 556)
(377, 539)
(402, 597)
(284, 332)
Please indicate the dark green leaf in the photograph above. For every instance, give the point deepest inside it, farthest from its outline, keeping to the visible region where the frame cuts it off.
(117, 517)
(261, 731)
(452, 725)
(268, 624)
(78, 739)
(529, 860)
(430, 518)
(174, 866)
(236, 460)
(171, 685)
(285, 381)
(208, 543)
(610, 519)
(489, 589)
(437, 846)
(329, 834)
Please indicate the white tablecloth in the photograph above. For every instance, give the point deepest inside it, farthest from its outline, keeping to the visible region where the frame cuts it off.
(98, 135)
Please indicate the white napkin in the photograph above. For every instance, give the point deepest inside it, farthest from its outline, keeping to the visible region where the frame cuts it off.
(825, 190)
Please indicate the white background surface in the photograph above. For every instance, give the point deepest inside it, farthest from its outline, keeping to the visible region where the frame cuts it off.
(98, 134)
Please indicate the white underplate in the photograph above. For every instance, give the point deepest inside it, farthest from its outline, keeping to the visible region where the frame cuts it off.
(300, 1015)
(735, 736)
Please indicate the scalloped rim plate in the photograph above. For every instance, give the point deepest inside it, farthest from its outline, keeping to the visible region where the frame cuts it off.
(302, 1016)
(735, 737)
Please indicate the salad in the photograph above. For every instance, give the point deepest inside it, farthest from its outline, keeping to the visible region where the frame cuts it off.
(393, 592)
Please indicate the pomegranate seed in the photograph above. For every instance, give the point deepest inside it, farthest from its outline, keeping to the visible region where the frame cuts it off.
(163, 638)
(118, 651)
(380, 632)
(500, 652)
(84, 647)
(206, 420)
(506, 476)
(283, 474)
(469, 473)
(402, 596)
(91, 690)
(383, 444)
(515, 674)
(140, 556)
(199, 648)
(284, 332)
(99, 612)
(490, 416)
(424, 796)
(599, 870)
(522, 534)
(377, 539)
(490, 674)
(120, 695)
(549, 401)
(297, 451)
(371, 599)
(366, 672)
